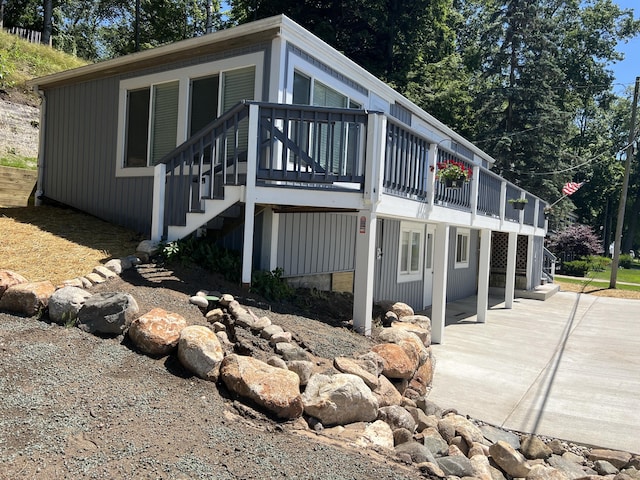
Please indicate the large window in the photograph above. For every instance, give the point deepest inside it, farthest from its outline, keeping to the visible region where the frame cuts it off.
(462, 248)
(156, 109)
(410, 255)
(160, 111)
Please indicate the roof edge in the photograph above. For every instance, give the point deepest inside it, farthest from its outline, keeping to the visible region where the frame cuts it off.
(119, 63)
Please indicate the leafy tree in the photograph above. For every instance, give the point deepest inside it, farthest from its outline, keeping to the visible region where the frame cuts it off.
(576, 240)
(387, 37)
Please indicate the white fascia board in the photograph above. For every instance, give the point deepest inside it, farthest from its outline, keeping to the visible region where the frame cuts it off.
(107, 66)
(308, 198)
(320, 49)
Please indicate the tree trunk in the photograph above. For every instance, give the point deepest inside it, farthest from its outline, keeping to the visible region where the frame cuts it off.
(630, 234)
(209, 16)
(47, 22)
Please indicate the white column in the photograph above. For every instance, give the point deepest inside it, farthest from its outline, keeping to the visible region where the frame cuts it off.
(250, 196)
(530, 255)
(484, 270)
(440, 266)
(365, 263)
(157, 212)
(510, 280)
(269, 234)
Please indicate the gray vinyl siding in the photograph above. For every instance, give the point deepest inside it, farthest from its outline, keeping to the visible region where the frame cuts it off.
(311, 243)
(81, 128)
(386, 269)
(536, 264)
(462, 282)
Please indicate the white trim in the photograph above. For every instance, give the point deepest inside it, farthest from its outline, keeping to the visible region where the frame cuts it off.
(465, 233)
(411, 275)
(184, 77)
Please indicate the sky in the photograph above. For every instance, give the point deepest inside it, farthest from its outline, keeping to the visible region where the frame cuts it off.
(626, 71)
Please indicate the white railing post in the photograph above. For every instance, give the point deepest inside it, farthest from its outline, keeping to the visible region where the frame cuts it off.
(374, 157)
(475, 189)
(431, 172)
(503, 200)
(157, 216)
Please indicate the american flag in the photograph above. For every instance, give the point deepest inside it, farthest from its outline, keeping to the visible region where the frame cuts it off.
(571, 188)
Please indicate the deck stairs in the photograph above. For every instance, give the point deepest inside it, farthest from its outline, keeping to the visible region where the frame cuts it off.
(211, 210)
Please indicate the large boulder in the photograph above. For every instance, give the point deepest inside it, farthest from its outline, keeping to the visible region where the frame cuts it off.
(9, 278)
(386, 393)
(397, 417)
(200, 351)
(273, 388)
(462, 427)
(339, 399)
(157, 332)
(422, 379)
(509, 460)
(358, 368)
(418, 453)
(65, 303)
(397, 364)
(616, 458)
(27, 298)
(422, 333)
(456, 465)
(107, 313)
(378, 434)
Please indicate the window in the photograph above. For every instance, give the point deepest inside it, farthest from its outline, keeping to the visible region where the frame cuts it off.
(144, 149)
(462, 248)
(158, 112)
(410, 253)
(334, 145)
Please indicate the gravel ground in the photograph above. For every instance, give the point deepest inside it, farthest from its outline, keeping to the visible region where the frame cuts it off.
(73, 405)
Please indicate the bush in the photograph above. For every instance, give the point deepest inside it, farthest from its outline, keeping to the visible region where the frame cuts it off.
(575, 241)
(206, 254)
(598, 264)
(271, 285)
(625, 261)
(576, 268)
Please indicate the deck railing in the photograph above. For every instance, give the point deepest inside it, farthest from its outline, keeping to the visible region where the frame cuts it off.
(322, 148)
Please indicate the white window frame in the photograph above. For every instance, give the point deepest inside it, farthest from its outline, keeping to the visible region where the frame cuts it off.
(463, 261)
(183, 76)
(411, 275)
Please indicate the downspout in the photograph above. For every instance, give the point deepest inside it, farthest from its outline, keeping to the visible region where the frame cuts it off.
(43, 115)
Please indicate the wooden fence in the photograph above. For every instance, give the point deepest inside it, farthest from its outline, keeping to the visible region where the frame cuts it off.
(28, 35)
(16, 186)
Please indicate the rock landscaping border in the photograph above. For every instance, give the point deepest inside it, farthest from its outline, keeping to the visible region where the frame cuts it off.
(378, 400)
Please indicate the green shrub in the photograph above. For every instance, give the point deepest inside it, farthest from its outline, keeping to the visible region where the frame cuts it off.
(206, 254)
(271, 285)
(598, 264)
(625, 261)
(576, 268)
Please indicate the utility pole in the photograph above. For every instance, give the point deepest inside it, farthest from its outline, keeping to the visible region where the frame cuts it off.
(625, 187)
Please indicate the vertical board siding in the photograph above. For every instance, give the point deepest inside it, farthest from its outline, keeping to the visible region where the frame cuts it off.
(537, 263)
(81, 128)
(310, 243)
(462, 282)
(386, 286)
(80, 156)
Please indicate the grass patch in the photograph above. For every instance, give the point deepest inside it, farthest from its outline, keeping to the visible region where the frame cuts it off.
(21, 61)
(631, 275)
(593, 284)
(18, 161)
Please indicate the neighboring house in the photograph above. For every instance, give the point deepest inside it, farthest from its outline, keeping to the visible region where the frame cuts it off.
(323, 170)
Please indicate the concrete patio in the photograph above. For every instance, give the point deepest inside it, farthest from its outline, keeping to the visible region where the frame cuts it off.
(568, 367)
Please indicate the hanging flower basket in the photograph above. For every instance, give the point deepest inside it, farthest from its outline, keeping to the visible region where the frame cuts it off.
(518, 203)
(453, 173)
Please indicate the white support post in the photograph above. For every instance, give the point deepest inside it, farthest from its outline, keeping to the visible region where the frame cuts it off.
(510, 280)
(365, 263)
(530, 254)
(484, 270)
(250, 195)
(440, 266)
(270, 227)
(157, 214)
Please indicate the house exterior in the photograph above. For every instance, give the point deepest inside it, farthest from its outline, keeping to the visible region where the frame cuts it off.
(325, 171)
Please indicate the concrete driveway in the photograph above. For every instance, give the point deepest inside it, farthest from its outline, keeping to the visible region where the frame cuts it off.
(568, 368)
